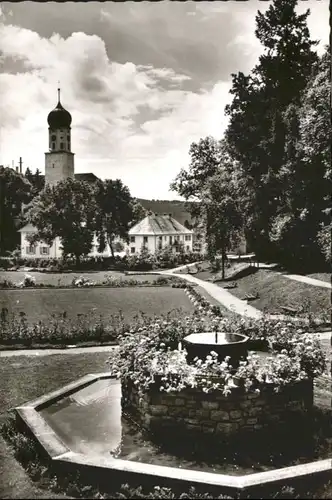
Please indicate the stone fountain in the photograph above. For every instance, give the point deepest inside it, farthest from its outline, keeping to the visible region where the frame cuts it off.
(234, 345)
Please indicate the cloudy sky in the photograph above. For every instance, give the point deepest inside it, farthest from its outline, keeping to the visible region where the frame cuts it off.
(141, 80)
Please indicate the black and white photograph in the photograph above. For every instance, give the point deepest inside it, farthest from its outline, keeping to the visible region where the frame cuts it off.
(165, 249)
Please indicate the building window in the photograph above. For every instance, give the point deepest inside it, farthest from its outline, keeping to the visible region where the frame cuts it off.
(31, 250)
(44, 250)
(53, 145)
(188, 237)
(61, 145)
(170, 240)
(145, 239)
(132, 239)
(132, 250)
(53, 138)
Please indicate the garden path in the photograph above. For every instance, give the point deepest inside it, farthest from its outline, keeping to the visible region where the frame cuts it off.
(47, 352)
(224, 297)
(233, 303)
(79, 350)
(309, 281)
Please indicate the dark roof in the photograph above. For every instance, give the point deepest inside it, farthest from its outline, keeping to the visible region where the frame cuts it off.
(59, 117)
(87, 177)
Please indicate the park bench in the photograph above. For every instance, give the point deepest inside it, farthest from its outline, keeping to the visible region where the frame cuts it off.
(230, 285)
(289, 310)
(248, 297)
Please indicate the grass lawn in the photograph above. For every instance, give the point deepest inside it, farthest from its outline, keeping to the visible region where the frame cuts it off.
(275, 291)
(207, 275)
(27, 377)
(40, 304)
(62, 279)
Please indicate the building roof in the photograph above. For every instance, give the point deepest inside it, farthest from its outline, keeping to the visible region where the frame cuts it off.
(88, 177)
(59, 117)
(158, 224)
(27, 227)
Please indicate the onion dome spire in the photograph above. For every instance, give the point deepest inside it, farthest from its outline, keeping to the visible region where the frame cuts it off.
(59, 117)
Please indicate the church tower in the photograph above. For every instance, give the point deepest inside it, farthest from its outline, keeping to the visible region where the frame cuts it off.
(59, 161)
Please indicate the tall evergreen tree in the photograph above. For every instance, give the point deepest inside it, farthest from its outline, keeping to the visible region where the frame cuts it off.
(256, 131)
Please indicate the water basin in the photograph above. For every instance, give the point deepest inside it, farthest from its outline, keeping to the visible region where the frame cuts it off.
(91, 421)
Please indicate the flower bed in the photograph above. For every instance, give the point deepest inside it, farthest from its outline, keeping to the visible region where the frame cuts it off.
(152, 364)
(29, 281)
(201, 303)
(143, 262)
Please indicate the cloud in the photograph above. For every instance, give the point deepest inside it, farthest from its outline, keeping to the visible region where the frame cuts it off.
(125, 117)
(141, 80)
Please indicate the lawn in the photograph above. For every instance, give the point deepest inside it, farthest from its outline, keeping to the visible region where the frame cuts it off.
(28, 377)
(40, 304)
(206, 274)
(276, 291)
(65, 279)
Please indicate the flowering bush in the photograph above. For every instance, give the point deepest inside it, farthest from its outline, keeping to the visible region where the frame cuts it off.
(28, 281)
(203, 305)
(82, 281)
(59, 329)
(148, 356)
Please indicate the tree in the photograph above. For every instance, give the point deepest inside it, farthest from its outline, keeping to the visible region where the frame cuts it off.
(138, 212)
(36, 180)
(307, 170)
(14, 191)
(66, 210)
(204, 162)
(115, 212)
(222, 214)
(257, 133)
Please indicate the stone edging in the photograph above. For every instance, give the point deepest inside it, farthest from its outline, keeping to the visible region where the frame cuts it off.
(52, 445)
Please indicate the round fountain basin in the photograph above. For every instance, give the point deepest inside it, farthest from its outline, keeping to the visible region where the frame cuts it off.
(234, 345)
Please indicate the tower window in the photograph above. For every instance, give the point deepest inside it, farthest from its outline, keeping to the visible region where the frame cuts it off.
(61, 145)
(53, 137)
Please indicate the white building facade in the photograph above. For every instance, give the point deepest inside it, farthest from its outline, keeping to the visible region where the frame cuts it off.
(156, 232)
(41, 250)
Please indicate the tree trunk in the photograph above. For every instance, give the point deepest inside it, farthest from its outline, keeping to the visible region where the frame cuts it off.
(112, 251)
(223, 259)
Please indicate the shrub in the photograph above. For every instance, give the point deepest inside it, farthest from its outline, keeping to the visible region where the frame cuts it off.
(148, 355)
(28, 281)
(82, 282)
(6, 284)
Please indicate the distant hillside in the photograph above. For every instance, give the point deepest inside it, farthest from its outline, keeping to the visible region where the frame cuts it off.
(174, 207)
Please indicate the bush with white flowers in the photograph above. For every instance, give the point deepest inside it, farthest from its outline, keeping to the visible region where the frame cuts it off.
(28, 281)
(152, 355)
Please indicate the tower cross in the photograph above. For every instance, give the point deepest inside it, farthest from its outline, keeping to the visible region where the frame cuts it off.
(58, 90)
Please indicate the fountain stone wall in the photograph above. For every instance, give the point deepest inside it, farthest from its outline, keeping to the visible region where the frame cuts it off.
(239, 413)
